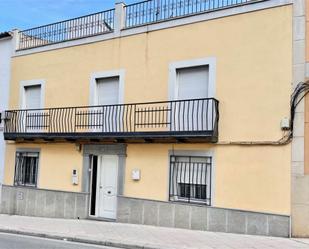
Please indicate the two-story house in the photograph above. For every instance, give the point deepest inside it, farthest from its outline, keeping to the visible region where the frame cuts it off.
(168, 113)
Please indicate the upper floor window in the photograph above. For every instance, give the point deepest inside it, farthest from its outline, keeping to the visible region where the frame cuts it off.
(107, 91)
(192, 82)
(190, 179)
(32, 94)
(26, 168)
(32, 97)
(192, 79)
(106, 118)
(33, 119)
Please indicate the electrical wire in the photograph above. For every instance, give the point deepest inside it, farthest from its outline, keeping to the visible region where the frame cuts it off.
(300, 91)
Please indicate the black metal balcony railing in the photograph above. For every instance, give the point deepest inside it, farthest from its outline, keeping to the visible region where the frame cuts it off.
(80, 27)
(151, 11)
(179, 118)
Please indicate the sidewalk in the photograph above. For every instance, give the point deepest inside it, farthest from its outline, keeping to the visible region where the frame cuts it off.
(139, 236)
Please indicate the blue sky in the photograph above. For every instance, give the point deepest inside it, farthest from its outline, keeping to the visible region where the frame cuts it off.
(24, 14)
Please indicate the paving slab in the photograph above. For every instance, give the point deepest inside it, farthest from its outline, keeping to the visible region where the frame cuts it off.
(133, 236)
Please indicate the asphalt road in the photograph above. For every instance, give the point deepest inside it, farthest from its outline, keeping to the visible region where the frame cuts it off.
(13, 241)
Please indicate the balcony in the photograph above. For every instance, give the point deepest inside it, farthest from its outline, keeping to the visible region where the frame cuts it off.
(192, 120)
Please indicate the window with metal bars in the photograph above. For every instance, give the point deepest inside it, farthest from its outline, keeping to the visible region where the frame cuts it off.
(190, 179)
(26, 168)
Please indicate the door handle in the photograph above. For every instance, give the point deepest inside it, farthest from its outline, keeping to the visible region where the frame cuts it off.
(109, 192)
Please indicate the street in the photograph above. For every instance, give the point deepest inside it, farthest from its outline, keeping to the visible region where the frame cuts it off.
(14, 241)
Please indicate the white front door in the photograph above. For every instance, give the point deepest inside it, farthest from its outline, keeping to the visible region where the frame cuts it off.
(106, 198)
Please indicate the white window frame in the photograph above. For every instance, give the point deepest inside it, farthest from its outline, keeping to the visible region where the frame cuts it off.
(102, 75)
(22, 91)
(173, 82)
(197, 153)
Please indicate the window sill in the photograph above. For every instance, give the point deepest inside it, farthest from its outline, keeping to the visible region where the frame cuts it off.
(25, 186)
(191, 202)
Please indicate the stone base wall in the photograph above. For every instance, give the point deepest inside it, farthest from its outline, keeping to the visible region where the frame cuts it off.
(190, 216)
(43, 203)
(59, 204)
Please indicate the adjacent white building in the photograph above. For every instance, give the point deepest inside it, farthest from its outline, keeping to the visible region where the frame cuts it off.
(6, 51)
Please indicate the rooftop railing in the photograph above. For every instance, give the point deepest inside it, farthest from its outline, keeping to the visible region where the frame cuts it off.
(122, 17)
(159, 10)
(80, 27)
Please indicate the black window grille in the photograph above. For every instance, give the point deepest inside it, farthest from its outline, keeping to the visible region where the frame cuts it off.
(26, 168)
(190, 179)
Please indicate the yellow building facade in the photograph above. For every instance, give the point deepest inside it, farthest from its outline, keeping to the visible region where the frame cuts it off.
(246, 54)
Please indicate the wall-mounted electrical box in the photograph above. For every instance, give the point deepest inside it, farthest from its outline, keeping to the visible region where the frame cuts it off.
(136, 174)
(74, 177)
(285, 124)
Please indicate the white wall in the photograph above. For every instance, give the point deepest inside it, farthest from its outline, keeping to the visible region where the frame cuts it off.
(6, 51)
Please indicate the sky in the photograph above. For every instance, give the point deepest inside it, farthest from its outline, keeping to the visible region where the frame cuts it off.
(24, 14)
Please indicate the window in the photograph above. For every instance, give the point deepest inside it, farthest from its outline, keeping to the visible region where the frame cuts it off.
(26, 168)
(107, 91)
(194, 114)
(192, 78)
(192, 82)
(190, 179)
(107, 87)
(32, 97)
(34, 119)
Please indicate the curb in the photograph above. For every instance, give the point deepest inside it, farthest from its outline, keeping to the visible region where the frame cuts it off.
(80, 240)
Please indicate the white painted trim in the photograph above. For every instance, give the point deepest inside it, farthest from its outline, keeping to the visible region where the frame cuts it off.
(306, 70)
(22, 92)
(230, 11)
(202, 153)
(173, 84)
(106, 74)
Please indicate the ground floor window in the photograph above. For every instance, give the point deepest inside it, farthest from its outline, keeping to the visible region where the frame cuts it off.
(26, 168)
(190, 179)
